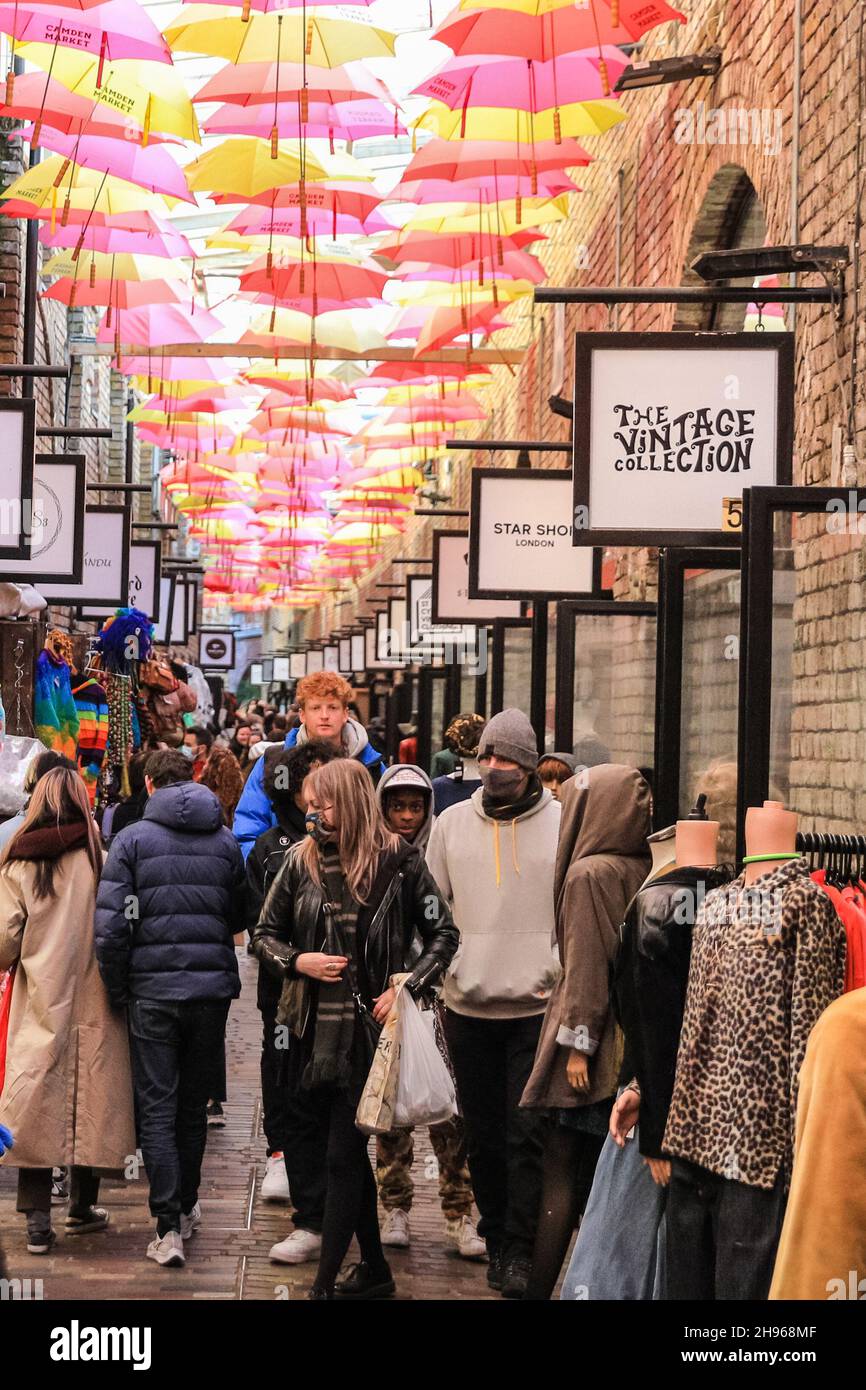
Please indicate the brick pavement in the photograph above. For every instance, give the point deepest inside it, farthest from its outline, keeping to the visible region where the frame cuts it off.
(228, 1258)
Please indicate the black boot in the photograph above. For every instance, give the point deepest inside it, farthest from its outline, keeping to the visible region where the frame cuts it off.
(362, 1282)
(515, 1276)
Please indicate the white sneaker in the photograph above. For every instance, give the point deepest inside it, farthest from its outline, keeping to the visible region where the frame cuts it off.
(275, 1183)
(462, 1233)
(190, 1224)
(297, 1248)
(395, 1229)
(167, 1249)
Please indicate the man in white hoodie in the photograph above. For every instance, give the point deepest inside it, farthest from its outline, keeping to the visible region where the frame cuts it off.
(493, 857)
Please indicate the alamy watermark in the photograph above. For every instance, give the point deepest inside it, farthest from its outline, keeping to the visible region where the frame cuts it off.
(760, 126)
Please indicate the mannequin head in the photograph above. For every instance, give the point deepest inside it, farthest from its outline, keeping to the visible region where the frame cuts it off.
(770, 829)
(697, 843)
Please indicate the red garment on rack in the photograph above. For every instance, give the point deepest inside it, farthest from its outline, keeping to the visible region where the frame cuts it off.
(850, 904)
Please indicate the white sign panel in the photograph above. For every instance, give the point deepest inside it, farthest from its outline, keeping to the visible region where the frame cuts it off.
(451, 601)
(166, 599)
(520, 536)
(297, 666)
(422, 628)
(281, 668)
(17, 422)
(105, 573)
(217, 649)
(359, 653)
(56, 522)
(669, 426)
(331, 660)
(144, 585)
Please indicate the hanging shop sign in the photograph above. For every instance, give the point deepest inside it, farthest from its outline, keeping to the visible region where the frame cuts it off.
(166, 602)
(217, 649)
(669, 428)
(18, 424)
(297, 666)
(145, 563)
(451, 601)
(105, 572)
(520, 537)
(267, 669)
(54, 522)
(282, 668)
(358, 648)
(191, 607)
(345, 662)
(331, 659)
(177, 627)
(256, 677)
(388, 651)
(423, 631)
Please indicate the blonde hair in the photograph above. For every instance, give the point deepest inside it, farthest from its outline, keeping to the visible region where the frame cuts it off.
(362, 835)
(59, 798)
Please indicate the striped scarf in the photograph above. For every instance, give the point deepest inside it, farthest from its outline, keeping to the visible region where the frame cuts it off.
(330, 1064)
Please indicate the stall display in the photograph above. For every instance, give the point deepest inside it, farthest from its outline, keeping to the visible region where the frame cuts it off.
(56, 719)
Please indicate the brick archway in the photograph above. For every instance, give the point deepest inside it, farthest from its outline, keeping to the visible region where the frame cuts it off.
(730, 215)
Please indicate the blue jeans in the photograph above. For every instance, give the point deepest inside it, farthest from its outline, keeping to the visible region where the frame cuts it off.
(620, 1245)
(173, 1046)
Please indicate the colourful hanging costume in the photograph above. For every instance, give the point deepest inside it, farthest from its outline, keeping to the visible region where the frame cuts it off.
(56, 717)
(91, 702)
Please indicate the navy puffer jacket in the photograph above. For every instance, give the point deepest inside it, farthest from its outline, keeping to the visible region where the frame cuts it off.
(169, 900)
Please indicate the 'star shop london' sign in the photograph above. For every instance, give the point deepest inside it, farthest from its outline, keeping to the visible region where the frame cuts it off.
(669, 427)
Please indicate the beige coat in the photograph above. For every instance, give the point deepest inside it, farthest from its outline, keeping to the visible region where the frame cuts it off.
(601, 860)
(67, 1096)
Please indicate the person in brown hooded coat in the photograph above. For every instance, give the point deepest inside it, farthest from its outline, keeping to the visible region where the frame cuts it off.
(602, 858)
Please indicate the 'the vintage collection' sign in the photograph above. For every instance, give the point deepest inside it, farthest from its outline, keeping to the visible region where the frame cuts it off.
(668, 427)
(520, 541)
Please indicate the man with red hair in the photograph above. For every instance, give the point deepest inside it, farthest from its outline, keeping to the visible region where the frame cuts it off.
(323, 697)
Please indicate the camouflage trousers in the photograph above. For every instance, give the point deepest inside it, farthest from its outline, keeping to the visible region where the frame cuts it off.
(394, 1155)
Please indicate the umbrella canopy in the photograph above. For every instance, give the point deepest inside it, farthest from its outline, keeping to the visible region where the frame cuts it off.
(521, 128)
(122, 294)
(153, 242)
(518, 84)
(159, 324)
(327, 279)
(151, 96)
(452, 249)
(108, 30)
(151, 168)
(327, 43)
(256, 84)
(545, 34)
(49, 103)
(346, 120)
(245, 167)
(474, 159)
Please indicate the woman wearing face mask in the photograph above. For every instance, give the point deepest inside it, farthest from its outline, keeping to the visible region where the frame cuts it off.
(338, 921)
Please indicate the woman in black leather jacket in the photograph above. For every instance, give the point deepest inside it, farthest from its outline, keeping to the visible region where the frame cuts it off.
(345, 913)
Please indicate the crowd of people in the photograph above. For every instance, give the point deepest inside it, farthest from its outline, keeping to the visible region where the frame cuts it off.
(498, 886)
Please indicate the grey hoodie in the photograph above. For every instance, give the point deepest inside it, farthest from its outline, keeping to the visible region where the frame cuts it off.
(410, 775)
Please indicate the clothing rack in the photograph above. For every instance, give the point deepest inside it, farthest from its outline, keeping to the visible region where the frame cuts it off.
(843, 856)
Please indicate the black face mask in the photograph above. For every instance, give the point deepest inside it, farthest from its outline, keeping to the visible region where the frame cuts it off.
(503, 784)
(316, 828)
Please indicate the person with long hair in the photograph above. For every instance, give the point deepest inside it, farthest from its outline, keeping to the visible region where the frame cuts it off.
(222, 773)
(340, 918)
(67, 1095)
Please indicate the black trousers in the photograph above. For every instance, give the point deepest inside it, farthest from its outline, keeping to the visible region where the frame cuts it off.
(292, 1122)
(274, 1094)
(34, 1189)
(351, 1198)
(492, 1059)
(173, 1047)
(722, 1236)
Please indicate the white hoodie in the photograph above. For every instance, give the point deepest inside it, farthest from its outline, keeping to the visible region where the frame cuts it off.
(497, 877)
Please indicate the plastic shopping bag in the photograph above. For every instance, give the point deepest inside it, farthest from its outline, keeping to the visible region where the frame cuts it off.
(16, 754)
(425, 1090)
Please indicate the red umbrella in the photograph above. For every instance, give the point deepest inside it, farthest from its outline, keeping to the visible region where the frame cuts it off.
(541, 37)
(458, 249)
(454, 160)
(326, 278)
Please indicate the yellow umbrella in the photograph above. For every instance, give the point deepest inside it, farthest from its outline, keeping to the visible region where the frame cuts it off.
(46, 185)
(499, 219)
(150, 95)
(349, 329)
(107, 266)
(578, 118)
(435, 292)
(325, 43)
(247, 166)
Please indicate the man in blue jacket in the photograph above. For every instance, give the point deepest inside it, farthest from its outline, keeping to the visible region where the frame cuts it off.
(323, 698)
(168, 903)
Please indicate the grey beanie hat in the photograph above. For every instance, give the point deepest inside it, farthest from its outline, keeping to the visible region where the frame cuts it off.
(509, 734)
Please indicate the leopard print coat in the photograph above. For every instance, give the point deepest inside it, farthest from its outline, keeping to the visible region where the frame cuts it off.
(766, 961)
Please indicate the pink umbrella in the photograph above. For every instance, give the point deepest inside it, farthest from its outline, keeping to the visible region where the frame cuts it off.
(152, 168)
(444, 325)
(347, 120)
(159, 367)
(155, 243)
(159, 324)
(259, 221)
(111, 29)
(489, 190)
(257, 84)
(515, 265)
(521, 84)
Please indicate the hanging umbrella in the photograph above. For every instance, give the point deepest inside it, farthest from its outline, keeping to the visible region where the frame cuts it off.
(457, 249)
(97, 266)
(325, 42)
(122, 294)
(160, 324)
(49, 103)
(346, 120)
(524, 85)
(108, 30)
(545, 34)
(350, 330)
(154, 242)
(496, 219)
(151, 96)
(272, 6)
(472, 159)
(246, 166)
(258, 84)
(152, 168)
(271, 225)
(519, 128)
(514, 265)
(399, 373)
(327, 279)
(494, 189)
(319, 388)
(444, 325)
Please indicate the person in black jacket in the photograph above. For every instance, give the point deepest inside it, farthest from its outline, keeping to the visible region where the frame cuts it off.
(170, 893)
(296, 1159)
(337, 923)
